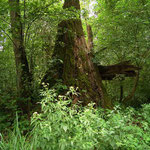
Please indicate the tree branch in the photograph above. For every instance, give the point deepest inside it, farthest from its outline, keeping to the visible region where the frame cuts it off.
(8, 36)
(109, 72)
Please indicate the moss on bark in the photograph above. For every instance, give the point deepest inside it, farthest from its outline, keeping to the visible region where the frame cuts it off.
(78, 69)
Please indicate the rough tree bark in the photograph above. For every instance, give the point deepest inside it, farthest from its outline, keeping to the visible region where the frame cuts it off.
(22, 68)
(78, 70)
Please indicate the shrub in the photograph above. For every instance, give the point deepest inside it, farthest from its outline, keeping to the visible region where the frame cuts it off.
(62, 126)
(59, 126)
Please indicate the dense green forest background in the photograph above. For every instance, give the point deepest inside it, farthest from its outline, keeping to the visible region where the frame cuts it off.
(74, 74)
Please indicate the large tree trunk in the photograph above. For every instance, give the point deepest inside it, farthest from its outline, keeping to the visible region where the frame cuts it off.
(22, 69)
(78, 70)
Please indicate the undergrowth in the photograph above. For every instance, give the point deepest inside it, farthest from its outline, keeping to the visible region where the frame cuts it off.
(61, 126)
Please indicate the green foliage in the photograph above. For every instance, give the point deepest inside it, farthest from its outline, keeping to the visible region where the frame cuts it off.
(40, 20)
(61, 125)
(16, 140)
(7, 87)
(121, 31)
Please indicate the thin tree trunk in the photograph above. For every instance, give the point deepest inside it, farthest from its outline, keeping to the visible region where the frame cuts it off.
(127, 99)
(121, 92)
(22, 68)
(90, 37)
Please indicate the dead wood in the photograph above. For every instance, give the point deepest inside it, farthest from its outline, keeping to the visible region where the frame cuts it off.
(110, 72)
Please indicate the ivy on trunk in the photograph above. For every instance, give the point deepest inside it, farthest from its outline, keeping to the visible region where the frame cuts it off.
(22, 68)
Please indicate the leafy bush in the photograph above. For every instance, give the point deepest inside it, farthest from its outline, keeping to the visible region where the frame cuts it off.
(62, 126)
